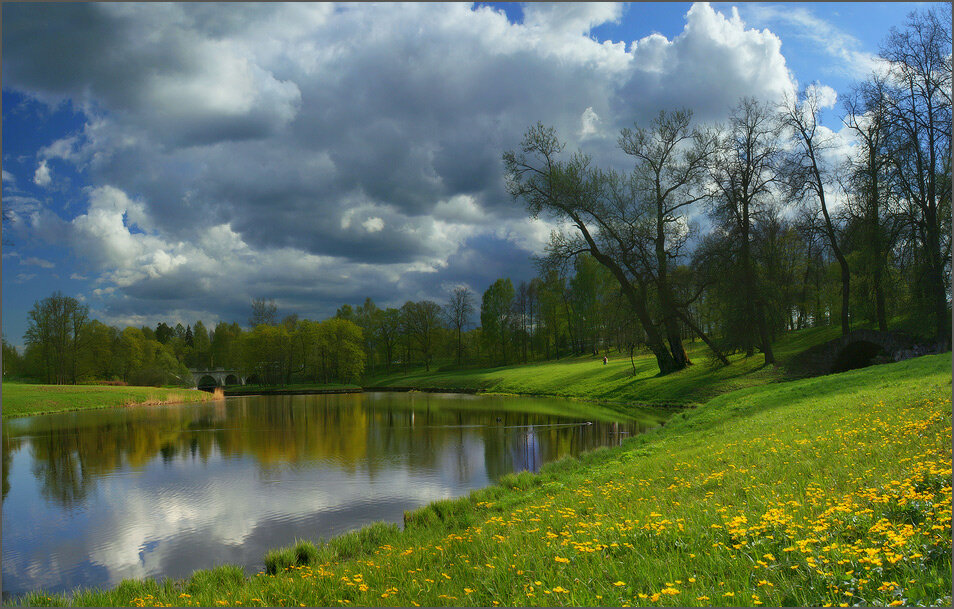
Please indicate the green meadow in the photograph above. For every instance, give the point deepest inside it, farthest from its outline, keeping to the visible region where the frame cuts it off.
(24, 399)
(833, 490)
(588, 378)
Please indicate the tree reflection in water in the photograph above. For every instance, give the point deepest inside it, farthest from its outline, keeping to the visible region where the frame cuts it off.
(153, 480)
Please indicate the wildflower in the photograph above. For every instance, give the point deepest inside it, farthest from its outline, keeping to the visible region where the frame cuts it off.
(619, 583)
(561, 559)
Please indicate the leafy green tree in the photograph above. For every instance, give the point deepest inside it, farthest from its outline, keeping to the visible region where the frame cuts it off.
(98, 359)
(224, 345)
(345, 347)
(389, 332)
(131, 352)
(368, 317)
(496, 311)
(55, 333)
(12, 360)
(164, 332)
(201, 347)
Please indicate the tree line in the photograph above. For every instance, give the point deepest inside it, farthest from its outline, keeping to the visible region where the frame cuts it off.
(65, 346)
(765, 183)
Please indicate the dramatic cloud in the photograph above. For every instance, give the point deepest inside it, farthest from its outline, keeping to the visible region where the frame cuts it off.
(319, 154)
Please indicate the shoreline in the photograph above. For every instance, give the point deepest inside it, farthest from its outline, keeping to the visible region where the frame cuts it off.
(654, 480)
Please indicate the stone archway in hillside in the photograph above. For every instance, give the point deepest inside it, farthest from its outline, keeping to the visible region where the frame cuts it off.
(858, 349)
(859, 354)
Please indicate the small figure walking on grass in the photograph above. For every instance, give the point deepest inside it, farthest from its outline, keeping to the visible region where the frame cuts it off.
(604, 360)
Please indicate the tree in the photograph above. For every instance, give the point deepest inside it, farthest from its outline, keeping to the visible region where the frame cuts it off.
(869, 180)
(389, 333)
(808, 175)
(368, 317)
(201, 347)
(131, 351)
(55, 331)
(224, 345)
(919, 68)
(97, 358)
(12, 361)
(495, 315)
(423, 320)
(742, 173)
(458, 312)
(263, 313)
(607, 212)
(345, 347)
(164, 332)
(670, 162)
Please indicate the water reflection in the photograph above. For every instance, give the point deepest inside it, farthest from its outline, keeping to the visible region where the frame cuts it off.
(92, 497)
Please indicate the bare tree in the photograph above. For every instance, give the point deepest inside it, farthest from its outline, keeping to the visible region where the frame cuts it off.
(670, 161)
(606, 212)
(869, 180)
(458, 311)
(742, 174)
(919, 60)
(263, 313)
(423, 319)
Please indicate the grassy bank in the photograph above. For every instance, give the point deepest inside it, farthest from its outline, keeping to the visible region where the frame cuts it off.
(821, 491)
(21, 399)
(588, 378)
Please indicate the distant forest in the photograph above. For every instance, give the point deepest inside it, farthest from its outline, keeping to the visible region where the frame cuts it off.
(793, 239)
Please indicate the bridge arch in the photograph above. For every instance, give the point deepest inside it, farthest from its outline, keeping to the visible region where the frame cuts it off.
(206, 380)
(217, 377)
(857, 349)
(859, 354)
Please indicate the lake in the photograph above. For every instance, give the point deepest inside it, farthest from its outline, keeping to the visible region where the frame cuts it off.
(93, 497)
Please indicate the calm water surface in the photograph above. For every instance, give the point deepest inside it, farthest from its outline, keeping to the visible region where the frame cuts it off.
(91, 498)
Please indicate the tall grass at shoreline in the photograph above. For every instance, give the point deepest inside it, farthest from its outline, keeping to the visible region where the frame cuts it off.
(831, 490)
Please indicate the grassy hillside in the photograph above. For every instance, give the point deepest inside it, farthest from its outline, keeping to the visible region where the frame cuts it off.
(20, 399)
(828, 490)
(587, 377)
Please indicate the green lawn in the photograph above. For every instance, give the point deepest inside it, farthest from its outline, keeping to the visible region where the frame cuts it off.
(587, 377)
(21, 399)
(828, 490)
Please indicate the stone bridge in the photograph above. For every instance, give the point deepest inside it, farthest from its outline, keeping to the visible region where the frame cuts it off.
(858, 349)
(216, 378)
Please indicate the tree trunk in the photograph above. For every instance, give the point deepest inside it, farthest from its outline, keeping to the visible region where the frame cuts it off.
(698, 331)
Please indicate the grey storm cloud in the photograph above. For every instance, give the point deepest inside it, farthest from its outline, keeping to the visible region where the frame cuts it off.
(324, 143)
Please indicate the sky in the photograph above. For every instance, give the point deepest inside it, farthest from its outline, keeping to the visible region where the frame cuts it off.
(172, 162)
